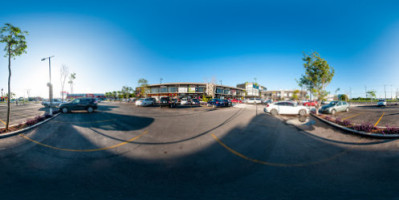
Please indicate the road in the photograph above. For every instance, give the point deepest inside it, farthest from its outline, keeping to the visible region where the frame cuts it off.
(125, 152)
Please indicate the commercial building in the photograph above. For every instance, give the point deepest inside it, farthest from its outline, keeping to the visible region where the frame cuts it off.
(252, 89)
(82, 95)
(277, 95)
(193, 90)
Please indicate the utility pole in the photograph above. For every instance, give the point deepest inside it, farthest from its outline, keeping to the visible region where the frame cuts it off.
(385, 91)
(50, 86)
(391, 91)
(365, 90)
(160, 80)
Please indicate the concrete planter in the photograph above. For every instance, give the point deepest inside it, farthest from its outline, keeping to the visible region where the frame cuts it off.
(376, 135)
(27, 128)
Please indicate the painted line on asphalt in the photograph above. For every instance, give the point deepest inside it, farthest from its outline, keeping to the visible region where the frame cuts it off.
(84, 150)
(379, 119)
(352, 116)
(276, 164)
(2, 122)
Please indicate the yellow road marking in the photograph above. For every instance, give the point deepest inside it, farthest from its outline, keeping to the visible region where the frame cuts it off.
(379, 119)
(2, 122)
(87, 122)
(352, 116)
(85, 150)
(276, 164)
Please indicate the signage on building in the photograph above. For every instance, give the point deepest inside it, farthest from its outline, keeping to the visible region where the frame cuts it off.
(191, 89)
(182, 89)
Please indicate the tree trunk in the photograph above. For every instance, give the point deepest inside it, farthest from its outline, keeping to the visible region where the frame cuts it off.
(9, 88)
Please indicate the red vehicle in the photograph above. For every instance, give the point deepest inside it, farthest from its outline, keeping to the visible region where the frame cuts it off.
(310, 103)
(236, 101)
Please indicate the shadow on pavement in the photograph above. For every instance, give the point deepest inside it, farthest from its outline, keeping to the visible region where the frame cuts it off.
(247, 167)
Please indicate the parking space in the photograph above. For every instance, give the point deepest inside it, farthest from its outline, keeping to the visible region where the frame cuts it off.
(20, 113)
(377, 116)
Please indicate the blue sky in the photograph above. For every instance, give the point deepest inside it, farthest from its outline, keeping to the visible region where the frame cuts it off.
(114, 43)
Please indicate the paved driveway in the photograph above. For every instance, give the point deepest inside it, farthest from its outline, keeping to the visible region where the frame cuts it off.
(125, 152)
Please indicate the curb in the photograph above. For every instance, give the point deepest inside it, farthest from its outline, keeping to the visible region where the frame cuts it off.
(375, 135)
(27, 128)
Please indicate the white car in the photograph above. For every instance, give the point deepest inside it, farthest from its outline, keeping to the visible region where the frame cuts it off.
(253, 100)
(144, 102)
(382, 103)
(286, 108)
(55, 102)
(185, 101)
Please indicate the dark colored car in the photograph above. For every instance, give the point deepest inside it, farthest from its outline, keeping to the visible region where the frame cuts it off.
(226, 103)
(166, 101)
(216, 103)
(89, 104)
(195, 102)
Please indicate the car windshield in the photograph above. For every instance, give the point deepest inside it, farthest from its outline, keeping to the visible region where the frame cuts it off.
(333, 103)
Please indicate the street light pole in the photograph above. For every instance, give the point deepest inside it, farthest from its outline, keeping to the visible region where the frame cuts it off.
(49, 84)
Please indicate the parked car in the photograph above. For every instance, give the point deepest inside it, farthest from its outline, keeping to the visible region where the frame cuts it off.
(215, 103)
(185, 101)
(195, 102)
(253, 100)
(236, 101)
(334, 107)
(55, 102)
(382, 102)
(166, 101)
(89, 104)
(144, 102)
(269, 101)
(286, 108)
(226, 103)
(153, 100)
(310, 103)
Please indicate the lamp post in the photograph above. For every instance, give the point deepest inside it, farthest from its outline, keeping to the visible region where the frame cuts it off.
(50, 87)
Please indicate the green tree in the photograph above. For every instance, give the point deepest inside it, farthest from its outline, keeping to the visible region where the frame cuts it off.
(343, 97)
(127, 91)
(295, 95)
(15, 45)
(318, 74)
(143, 84)
(372, 93)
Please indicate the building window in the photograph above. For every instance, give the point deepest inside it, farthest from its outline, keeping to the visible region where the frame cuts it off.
(155, 90)
(200, 89)
(163, 90)
(219, 91)
(172, 89)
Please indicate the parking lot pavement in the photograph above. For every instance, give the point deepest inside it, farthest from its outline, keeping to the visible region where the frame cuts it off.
(20, 113)
(378, 116)
(126, 152)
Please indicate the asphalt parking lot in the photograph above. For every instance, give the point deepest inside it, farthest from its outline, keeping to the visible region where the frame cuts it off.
(20, 113)
(126, 152)
(377, 116)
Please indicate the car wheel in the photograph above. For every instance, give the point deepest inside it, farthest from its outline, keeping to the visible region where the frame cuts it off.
(333, 112)
(90, 109)
(274, 112)
(65, 110)
(347, 110)
(302, 112)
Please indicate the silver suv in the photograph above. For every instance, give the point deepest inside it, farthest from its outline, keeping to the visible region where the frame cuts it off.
(334, 107)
